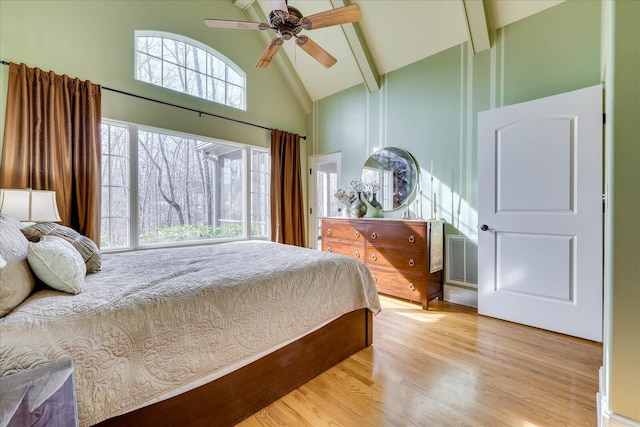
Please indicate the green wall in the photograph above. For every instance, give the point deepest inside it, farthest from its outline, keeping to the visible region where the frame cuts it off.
(94, 40)
(430, 107)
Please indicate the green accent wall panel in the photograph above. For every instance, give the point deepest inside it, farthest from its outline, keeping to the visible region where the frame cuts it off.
(342, 126)
(552, 52)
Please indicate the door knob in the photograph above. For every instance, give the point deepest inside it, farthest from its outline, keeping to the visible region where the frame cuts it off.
(484, 227)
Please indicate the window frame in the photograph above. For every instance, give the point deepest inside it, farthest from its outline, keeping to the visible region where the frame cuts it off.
(133, 231)
(199, 45)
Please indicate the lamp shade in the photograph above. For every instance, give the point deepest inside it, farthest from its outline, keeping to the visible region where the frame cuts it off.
(30, 205)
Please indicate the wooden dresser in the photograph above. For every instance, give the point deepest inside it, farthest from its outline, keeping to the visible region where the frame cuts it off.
(405, 256)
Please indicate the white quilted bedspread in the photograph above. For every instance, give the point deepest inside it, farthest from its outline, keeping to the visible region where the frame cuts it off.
(156, 321)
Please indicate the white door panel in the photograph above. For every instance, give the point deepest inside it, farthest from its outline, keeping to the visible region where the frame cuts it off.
(540, 196)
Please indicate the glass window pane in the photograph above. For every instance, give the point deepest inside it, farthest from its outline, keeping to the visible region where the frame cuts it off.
(196, 84)
(149, 69)
(114, 233)
(234, 78)
(173, 77)
(105, 170)
(215, 90)
(119, 202)
(173, 51)
(178, 197)
(216, 67)
(150, 45)
(235, 96)
(119, 171)
(104, 211)
(196, 59)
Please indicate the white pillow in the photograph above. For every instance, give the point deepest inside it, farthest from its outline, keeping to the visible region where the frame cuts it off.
(57, 263)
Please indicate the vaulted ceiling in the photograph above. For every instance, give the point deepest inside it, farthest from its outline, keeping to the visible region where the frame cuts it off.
(391, 35)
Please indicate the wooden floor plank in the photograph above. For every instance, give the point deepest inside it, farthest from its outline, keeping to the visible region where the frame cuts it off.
(449, 366)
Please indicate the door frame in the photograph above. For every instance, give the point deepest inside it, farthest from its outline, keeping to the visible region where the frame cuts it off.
(314, 160)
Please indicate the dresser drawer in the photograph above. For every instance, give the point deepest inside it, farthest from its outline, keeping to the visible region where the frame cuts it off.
(408, 285)
(352, 249)
(404, 234)
(343, 230)
(404, 259)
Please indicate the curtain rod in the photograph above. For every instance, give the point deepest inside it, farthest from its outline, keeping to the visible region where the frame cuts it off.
(200, 112)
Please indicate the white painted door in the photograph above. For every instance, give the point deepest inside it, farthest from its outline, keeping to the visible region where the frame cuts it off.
(540, 213)
(324, 181)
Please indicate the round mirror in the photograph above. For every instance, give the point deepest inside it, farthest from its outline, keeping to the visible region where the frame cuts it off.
(396, 173)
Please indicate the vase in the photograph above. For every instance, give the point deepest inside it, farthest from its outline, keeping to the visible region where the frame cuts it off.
(374, 202)
(346, 211)
(372, 210)
(358, 207)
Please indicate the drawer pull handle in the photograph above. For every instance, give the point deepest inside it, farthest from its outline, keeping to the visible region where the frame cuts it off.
(357, 234)
(412, 287)
(412, 238)
(411, 262)
(374, 257)
(329, 231)
(374, 236)
(357, 254)
(329, 249)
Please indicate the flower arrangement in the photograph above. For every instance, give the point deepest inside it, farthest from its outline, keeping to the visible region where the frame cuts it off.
(358, 185)
(346, 197)
(349, 196)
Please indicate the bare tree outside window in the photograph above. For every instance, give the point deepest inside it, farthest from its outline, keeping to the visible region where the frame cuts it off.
(188, 189)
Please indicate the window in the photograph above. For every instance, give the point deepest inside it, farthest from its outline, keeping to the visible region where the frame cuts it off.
(260, 192)
(188, 66)
(184, 188)
(114, 231)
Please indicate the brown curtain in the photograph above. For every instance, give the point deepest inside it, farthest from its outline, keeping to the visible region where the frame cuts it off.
(287, 208)
(52, 142)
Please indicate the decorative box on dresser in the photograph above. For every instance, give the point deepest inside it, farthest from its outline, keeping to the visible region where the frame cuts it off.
(405, 256)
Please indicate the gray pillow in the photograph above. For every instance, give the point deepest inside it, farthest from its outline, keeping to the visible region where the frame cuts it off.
(87, 247)
(16, 278)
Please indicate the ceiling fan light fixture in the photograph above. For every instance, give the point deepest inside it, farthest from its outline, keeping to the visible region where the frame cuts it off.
(287, 22)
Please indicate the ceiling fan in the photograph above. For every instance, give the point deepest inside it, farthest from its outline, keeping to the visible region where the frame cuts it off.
(287, 22)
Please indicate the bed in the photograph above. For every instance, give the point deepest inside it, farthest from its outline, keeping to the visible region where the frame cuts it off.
(203, 335)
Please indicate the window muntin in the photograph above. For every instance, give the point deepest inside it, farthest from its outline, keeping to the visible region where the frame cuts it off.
(186, 189)
(188, 66)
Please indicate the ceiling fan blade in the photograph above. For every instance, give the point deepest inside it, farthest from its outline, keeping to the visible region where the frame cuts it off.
(279, 5)
(341, 15)
(318, 53)
(241, 25)
(269, 53)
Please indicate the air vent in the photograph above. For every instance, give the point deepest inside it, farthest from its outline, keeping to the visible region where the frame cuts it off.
(462, 261)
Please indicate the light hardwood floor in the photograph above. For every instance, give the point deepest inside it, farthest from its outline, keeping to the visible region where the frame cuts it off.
(449, 367)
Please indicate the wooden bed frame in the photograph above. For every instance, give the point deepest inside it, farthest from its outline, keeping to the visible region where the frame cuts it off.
(239, 394)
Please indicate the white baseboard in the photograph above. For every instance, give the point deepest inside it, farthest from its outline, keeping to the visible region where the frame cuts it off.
(461, 295)
(606, 418)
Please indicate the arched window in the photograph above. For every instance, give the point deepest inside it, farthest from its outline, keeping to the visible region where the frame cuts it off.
(186, 65)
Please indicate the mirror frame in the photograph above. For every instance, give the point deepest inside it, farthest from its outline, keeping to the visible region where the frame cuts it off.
(412, 180)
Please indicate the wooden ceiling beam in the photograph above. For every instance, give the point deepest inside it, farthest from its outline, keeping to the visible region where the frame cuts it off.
(360, 50)
(477, 24)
